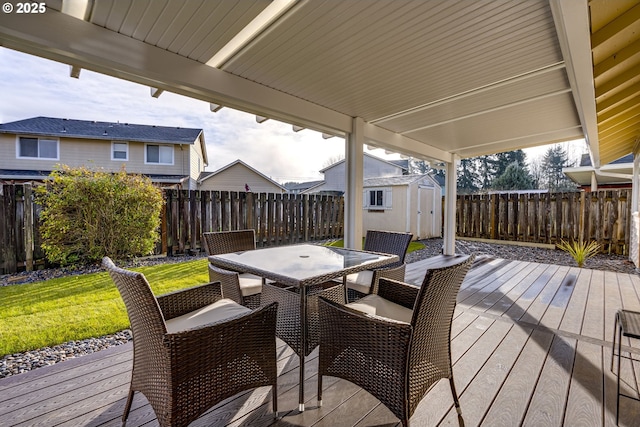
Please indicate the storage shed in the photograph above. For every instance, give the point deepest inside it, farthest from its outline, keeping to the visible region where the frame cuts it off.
(406, 203)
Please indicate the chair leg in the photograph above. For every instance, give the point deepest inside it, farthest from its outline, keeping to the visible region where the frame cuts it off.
(619, 349)
(456, 402)
(274, 398)
(320, 390)
(613, 346)
(127, 408)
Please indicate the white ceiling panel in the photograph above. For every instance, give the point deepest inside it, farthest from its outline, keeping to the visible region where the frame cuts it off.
(441, 76)
(196, 29)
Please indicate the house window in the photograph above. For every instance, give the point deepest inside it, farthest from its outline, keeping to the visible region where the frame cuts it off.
(38, 148)
(159, 154)
(119, 151)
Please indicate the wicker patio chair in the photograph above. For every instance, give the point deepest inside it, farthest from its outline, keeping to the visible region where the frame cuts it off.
(395, 344)
(389, 242)
(193, 349)
(243, 288)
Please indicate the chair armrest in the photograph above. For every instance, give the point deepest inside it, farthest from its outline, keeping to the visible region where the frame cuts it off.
(180, 302)
(248, 339)
(398, 292)
(343, 329)
(393, 273)
(229, 283)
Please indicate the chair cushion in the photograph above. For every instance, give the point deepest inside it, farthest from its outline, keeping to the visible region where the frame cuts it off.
(250, 284)
(376, 305)
(360, 281)
(219, 310)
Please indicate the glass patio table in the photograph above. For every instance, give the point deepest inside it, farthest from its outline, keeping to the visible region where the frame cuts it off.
(300, 268)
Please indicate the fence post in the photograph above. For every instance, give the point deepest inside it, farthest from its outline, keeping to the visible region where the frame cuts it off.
(28, 226)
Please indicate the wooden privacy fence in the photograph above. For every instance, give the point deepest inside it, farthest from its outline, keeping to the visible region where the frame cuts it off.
(603, 216)
(279, 219)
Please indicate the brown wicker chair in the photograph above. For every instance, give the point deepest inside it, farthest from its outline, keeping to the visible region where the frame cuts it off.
(242, 288)
(395, 344)
(389, 242)
(193, 349)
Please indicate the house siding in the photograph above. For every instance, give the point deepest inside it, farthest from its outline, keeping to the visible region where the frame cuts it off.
(93, 154)
(234, 179)
(335, 176)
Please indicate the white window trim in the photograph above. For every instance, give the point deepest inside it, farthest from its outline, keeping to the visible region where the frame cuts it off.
(146, 162)
(126, 143)
(18, 156)
(387, 200)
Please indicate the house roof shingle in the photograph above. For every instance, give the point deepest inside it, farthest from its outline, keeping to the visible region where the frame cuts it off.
(69, 128)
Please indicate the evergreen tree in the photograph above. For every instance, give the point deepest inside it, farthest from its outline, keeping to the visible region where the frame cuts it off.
(468, 180)
(486, 170)
(515, 177)
(553, 161)
(419, 167)
(503, 160)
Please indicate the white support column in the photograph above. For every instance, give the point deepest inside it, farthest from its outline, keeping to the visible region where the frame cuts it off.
(354, 175)
(635, 182)
(594, 181)
(634, 238)
(449, 237)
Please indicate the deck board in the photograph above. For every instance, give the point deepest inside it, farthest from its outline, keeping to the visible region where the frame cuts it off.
(531, 345)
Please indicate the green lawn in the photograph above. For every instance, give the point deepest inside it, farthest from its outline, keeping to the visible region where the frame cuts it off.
(47, 313)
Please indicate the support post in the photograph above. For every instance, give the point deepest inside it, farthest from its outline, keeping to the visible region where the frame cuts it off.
(354, 176)
(449, 238)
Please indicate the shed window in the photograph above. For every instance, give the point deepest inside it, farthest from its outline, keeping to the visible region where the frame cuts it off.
(377, 198)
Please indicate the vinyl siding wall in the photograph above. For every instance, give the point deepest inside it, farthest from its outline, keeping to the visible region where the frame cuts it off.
(93, 154)
(234, 179)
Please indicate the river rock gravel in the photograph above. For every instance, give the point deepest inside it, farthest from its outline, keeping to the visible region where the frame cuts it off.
(14, 364)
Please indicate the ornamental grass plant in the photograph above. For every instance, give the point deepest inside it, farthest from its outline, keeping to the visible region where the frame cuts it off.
(580, 250)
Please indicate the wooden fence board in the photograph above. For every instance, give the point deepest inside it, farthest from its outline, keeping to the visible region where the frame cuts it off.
(548, 218)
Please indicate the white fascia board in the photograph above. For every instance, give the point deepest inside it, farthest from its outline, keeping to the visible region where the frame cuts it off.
(59, 37)
(571, 18)
(383, 138)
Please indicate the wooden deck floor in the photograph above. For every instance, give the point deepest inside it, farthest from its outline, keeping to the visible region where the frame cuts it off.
(531, 346)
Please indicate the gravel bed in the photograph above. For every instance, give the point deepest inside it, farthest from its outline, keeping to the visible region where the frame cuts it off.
(22, 362)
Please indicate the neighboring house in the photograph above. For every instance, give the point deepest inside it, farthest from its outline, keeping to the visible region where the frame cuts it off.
(334, 175)
(238, 176)
(170, 156)
(405, 203)
(617, 174)
(300, 187)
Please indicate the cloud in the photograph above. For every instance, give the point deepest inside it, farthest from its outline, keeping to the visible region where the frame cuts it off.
(33, 86)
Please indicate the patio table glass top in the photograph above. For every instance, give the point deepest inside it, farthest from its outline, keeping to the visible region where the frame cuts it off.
(302, 265)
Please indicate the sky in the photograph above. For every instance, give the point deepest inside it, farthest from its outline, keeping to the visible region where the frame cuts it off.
(31, 86)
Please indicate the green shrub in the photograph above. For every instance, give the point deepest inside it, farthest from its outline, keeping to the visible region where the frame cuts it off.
(89, 214)
(579, 250)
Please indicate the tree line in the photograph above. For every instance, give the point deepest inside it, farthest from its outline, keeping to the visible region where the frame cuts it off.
(509, 171)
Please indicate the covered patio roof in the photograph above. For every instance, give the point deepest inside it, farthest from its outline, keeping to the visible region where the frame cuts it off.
(433, 79)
